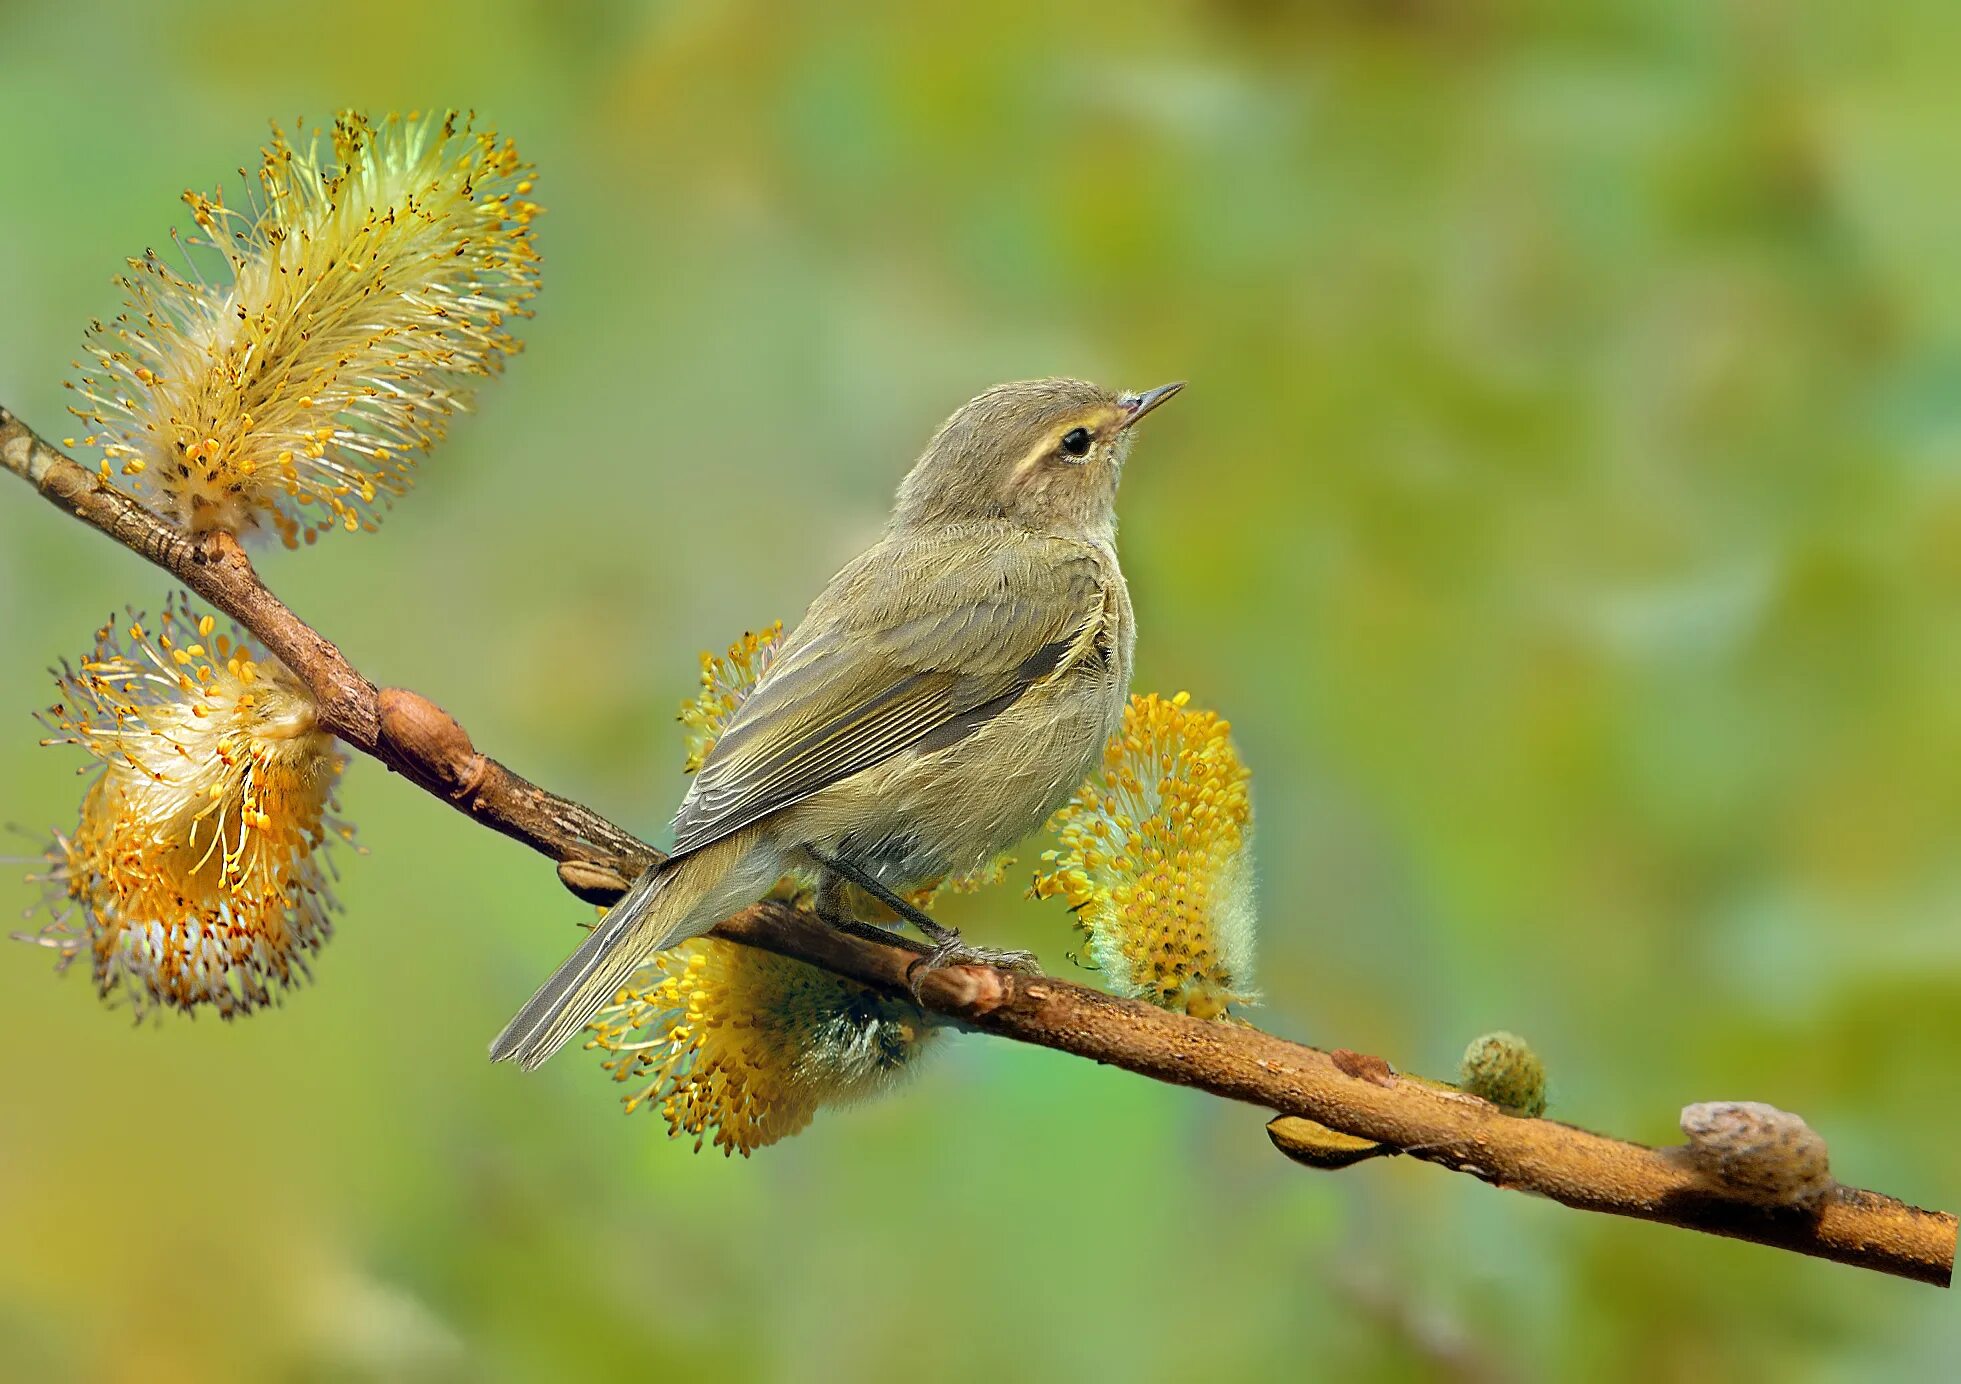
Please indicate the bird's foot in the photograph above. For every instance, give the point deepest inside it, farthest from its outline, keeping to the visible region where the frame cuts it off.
(949, 950)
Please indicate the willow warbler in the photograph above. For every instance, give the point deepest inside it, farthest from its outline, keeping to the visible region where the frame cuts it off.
(941, 697)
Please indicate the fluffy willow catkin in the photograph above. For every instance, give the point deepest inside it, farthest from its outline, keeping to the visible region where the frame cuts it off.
(196, 875)
(1155, 860)
(736, 1045)
(321, 337)
(743, 1046)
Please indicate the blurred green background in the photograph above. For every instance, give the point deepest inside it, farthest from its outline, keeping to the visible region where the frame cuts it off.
(1565, 509)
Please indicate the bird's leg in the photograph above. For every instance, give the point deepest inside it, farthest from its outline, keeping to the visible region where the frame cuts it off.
(838, 870)
(947, 949)
(830, 907)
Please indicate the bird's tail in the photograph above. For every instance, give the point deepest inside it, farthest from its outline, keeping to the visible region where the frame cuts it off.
(677, 899)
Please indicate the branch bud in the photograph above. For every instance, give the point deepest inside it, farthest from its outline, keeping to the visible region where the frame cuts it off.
(428, 741)
(1317, 1146)
(1502, 1068)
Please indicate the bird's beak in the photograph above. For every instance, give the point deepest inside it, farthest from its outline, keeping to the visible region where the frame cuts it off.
(1135, 406)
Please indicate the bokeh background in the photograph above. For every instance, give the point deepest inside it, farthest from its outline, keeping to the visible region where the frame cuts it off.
(1565, 509)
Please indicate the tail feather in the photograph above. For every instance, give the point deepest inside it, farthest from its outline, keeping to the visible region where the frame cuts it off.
(676, 900)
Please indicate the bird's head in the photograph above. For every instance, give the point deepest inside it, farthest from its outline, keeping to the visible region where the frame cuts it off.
(1042, 453)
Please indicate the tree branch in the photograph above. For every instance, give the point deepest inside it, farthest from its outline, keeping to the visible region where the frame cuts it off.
(1360, 1097)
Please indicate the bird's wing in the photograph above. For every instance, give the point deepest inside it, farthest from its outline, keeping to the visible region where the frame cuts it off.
(915, 641)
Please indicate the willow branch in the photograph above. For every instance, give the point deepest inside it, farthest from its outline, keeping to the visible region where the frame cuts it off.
(1362, 1097)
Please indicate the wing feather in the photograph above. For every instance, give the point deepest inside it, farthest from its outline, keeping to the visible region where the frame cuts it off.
(916, 639)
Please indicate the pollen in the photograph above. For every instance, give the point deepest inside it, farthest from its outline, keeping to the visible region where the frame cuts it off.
(742, 1047)
(197, 875)
(318, 340)
(1154, 860)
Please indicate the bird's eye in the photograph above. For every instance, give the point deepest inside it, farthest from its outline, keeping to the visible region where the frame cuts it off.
(1076, 442)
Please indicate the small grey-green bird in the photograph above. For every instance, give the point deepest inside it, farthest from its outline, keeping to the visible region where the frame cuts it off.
(945, 693)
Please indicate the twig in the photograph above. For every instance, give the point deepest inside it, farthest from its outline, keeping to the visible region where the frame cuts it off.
(1360, 1097)
(422, 743)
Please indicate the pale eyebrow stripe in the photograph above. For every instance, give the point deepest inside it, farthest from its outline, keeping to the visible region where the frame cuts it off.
(1036, 456)
(1041, 450)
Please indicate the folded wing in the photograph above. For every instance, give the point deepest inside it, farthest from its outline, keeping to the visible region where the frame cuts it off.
(914, 642)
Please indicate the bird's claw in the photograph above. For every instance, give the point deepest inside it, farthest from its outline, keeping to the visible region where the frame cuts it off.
(951, 951)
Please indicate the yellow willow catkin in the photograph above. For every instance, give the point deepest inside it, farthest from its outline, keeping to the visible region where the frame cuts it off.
(1155, 861)
(743, 1046)
(196, 874)
(336, 325)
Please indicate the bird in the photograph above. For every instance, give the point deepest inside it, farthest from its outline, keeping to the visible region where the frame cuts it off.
(943, 695)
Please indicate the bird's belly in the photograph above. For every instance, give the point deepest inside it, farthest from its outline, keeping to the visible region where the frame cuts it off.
(919, 816)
